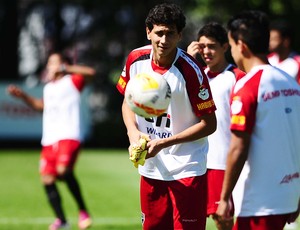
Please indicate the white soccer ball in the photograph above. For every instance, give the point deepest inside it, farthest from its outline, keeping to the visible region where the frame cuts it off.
(148, 95)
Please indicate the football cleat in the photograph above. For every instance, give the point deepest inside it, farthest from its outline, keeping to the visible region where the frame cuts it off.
(58, 224)
(84, 221)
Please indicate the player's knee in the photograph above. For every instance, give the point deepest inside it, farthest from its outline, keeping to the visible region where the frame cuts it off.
(62, 172)
(48, 179)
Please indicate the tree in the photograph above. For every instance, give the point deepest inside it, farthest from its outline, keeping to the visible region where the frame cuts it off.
(101, 33)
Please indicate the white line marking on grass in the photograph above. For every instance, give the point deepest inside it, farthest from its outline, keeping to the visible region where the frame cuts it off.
(47, 220)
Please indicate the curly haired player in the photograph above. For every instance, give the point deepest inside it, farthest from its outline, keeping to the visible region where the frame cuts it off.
(173, 177)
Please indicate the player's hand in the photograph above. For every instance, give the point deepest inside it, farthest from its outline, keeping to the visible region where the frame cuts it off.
(15, 91)
(134, 136)
(193, 49)
(138, 151)
(223, 212)
(154, 146)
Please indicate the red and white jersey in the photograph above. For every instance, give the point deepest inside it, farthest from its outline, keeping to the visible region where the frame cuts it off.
(190, 99)
(221, 85)
(61, 115)
(266, 104)
(291, 65)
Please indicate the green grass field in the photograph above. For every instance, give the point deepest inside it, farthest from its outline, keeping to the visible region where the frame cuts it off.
(109, 183)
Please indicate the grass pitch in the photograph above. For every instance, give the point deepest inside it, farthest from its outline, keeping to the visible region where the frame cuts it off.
(109, 182)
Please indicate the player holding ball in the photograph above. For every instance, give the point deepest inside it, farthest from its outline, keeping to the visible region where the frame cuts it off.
(173, 178)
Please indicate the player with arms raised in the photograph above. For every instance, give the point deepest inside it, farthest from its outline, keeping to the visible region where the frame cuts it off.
(61, 132)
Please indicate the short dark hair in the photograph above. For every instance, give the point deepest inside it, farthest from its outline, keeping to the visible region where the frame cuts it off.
(166, 14)
(64, 58)
(252, 27)
(283, 27)
(214, 30)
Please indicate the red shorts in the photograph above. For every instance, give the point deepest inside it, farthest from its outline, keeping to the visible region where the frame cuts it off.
(273, 222)
(64, 153)
(179, 204)
(215, 181)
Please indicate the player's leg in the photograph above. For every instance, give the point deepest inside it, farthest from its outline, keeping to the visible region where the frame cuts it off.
(68, 153)
(273, 222)
(189, 198)
(48, 177)
(75, 190)
(156, 207)
(214, 187)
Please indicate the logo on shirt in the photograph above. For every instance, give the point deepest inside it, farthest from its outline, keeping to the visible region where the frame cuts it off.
(203, 93)
(161, 122)
(289, 178)
(206, 105)
(288, 110)
(238, 120)
(122, 83)
(236, 105)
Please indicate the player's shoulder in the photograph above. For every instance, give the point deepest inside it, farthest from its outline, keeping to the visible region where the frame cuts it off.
(186, 59)
(251, 80)
(238, 73)
(295, 56)
(143, 51)
(272, 55)
(78, 80)
(186, 56)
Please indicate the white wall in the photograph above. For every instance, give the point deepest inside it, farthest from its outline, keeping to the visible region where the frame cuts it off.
(19, 122)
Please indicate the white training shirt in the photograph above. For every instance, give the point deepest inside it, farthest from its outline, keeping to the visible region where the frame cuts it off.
(190, 99)
(61, 115)
(266, 104)
(221, 86)
(291, 64)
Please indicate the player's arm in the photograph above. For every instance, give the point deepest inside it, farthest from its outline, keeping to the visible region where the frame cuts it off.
(130, 123)
(138, 141)
(35, 103)
(206, 126)
(237, 155)
(87, 71)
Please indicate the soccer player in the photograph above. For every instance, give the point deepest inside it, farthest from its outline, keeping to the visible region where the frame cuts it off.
(212, 44)
(61, 132)
(263, 162)
(280, 47)
(173, 179)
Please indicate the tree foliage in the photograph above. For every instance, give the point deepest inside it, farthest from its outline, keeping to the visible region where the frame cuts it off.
(101, 33)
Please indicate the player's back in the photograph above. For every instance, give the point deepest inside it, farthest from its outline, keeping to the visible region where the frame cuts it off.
(274, 161)
(277, 115)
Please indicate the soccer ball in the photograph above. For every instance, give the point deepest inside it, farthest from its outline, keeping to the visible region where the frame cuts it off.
(148, 95)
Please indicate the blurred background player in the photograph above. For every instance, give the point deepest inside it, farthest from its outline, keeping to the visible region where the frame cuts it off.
(212, 45)
(284, 57)
(61, 137)
(281, 53)
(173, 179)
(263, 162)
